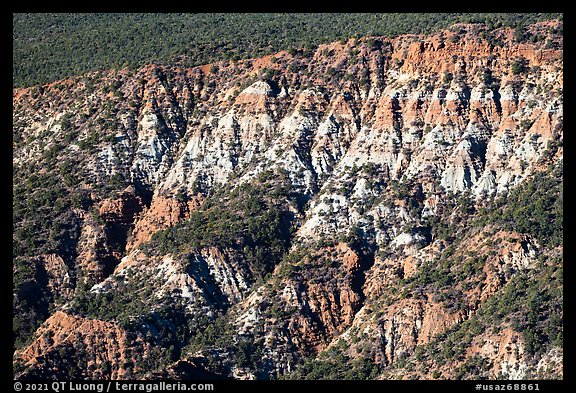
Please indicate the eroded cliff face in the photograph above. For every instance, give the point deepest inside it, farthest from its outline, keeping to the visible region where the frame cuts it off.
(455, 111)
(163, 213)
(84, 348)
(371, 136)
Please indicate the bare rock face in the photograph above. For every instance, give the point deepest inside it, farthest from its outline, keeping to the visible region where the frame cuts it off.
(335, 303)
(162, 213)
(304, 311)
(517, 253)
(106, 348)
(507, 352)
(551, 363)
(255, 96)
(59, 277)
(414, 323)
(208, 280)
(121, 210)
(95, 258)
(395, 333)
(103, 240)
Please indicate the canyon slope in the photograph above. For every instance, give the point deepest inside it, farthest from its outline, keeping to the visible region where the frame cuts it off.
(381, 208)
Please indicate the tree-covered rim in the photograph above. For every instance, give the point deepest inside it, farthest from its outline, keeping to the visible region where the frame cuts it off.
(49, 47)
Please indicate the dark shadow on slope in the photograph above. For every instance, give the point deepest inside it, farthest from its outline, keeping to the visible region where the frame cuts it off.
(497, 97)
(365, 249)
(198, 269)
(190, 370)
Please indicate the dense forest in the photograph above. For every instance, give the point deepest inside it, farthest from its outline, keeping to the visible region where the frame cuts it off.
(49, 47)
